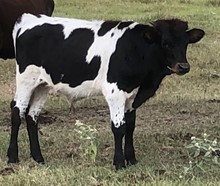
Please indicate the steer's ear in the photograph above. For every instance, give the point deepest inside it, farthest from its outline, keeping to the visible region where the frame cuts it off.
(151, 34)
(195, 35)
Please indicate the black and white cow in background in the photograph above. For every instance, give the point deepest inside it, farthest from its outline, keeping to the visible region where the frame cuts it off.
(125, 61)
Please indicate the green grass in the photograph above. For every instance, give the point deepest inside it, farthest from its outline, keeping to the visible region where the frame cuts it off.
(184, 106)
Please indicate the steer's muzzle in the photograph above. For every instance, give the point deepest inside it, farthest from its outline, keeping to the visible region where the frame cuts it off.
(180, 68)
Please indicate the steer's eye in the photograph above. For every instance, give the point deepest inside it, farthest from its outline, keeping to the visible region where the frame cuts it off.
(167, 45)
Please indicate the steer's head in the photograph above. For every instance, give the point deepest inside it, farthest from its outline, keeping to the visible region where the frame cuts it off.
(173, 37)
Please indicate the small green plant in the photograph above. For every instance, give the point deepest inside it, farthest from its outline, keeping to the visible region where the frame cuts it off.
(87, 135)
(201, 152)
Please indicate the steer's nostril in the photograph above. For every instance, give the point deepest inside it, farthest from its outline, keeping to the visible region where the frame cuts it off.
(184, 66)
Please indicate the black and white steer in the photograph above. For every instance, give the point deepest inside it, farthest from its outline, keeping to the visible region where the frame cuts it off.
(125, 61)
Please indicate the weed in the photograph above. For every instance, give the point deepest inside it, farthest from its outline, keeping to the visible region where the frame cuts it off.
(201, 152)
(86, 136)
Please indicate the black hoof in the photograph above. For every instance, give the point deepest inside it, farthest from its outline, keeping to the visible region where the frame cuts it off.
(12, 161)
(120, 166)
(39, 160)
(132, 162)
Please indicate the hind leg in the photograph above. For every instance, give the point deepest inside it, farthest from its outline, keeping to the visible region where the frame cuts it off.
(12, 152)
(37, 101)
(18, 109)
(24, 89)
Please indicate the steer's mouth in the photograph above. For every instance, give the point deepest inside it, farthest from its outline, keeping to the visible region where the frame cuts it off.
(180, 68)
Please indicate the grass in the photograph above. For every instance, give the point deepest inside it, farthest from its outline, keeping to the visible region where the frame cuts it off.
(183, 107)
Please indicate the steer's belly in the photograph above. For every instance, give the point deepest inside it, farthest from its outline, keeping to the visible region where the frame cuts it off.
(86, 89)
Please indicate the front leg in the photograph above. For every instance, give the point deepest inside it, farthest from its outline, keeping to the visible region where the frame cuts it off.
(129, 147)
(116, 100)
(119, 159)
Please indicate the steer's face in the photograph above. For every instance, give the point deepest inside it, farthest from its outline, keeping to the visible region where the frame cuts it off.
(174, 39)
